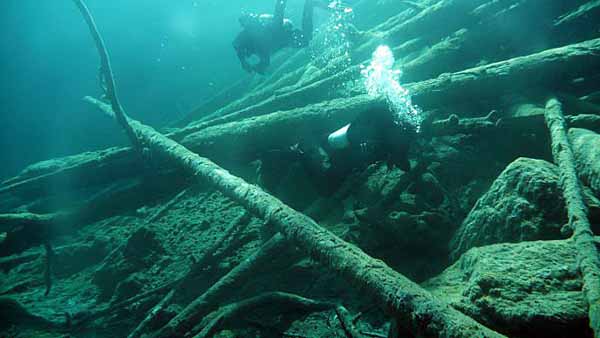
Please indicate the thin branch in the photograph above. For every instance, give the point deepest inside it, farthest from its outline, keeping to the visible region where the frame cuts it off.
(107, 74)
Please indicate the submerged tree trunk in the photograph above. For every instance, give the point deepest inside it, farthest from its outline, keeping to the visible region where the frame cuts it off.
(583, 237)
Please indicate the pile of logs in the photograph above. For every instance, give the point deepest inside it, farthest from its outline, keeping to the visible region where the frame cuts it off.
(270, 116)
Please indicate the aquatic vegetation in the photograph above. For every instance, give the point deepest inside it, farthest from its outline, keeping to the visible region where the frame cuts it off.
(382, 80)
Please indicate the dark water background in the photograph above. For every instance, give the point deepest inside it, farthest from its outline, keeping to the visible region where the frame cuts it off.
(167, 55)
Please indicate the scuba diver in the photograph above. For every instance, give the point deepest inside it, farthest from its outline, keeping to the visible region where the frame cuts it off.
(265, 34)
(375, 135)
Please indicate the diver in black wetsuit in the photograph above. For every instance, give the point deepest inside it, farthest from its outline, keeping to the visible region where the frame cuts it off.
(265, 34)
(375, 135)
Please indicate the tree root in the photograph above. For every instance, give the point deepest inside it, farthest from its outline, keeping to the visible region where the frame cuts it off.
(583, 237)
(235, 312)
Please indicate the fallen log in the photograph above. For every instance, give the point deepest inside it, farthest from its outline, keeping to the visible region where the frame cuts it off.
(582, 237)
(241, 141)
(551, 69)
(312, 93)
(589, 9)
(73, 172)
(493, 124)
(25, 230)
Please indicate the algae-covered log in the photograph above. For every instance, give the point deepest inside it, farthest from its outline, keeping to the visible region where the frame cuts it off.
(550, 69)
(583, 237)
(73, 172)
(25, 230)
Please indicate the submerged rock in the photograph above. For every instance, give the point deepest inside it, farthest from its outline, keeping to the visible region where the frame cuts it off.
(586, 145)
(529, 289)
(524, 203)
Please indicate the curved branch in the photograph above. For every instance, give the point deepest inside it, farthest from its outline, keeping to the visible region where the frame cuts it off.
(107, 74)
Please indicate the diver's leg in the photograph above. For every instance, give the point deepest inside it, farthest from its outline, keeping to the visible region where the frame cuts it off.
(307, 22)
(263, 64)
(278, 15)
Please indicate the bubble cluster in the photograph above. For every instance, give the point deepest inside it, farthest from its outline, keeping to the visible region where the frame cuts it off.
(382, 80)
(331, 45)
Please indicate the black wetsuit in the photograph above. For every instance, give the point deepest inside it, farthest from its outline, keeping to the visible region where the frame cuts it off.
(375, 135)
(265, 34)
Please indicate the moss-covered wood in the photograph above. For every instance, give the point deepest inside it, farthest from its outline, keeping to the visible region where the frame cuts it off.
(583, 237)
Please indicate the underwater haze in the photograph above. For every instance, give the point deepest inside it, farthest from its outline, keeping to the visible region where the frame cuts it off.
(168, 57)
(300, 168)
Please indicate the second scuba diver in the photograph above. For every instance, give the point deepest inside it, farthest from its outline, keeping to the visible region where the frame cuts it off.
(265, 34)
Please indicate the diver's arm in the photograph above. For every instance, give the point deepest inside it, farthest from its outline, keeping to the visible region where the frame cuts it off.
(239, 51)
(278, 16)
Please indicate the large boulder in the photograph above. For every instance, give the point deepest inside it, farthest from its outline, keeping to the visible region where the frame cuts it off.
(524, 203)
(528, 289)
(586, 149)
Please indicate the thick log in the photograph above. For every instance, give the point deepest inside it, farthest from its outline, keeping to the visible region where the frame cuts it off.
(243, 140)
(73, 172)
(25, 230)
(318, 91)
(551, 69)
(493, 124)
(583, 237)
(589, 9)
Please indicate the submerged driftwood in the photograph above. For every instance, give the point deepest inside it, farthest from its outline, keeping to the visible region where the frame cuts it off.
(583, 237)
